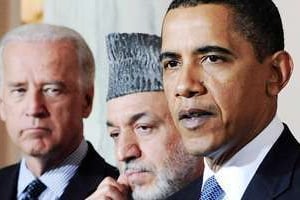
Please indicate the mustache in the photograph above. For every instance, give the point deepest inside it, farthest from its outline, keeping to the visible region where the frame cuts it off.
(136, 167)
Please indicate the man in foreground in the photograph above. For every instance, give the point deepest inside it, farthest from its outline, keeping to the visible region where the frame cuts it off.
(224, 66)
(47, 82)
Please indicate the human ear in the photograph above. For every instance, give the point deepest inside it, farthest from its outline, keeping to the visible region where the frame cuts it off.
(88, 102)
(281, 70)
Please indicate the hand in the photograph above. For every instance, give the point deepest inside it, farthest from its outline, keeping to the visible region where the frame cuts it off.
(110, 189)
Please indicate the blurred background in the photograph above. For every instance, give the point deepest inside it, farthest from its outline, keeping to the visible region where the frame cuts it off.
(94, 19)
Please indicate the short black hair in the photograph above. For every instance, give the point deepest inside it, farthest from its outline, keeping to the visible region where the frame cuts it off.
(258, 21)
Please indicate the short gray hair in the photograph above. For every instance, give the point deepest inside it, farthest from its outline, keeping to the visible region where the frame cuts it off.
(47, 32)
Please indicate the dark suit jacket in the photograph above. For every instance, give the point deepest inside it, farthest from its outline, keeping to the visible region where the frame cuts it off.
(277, 177)
(90, 173)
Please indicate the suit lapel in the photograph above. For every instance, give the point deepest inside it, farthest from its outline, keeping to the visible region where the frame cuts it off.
(8, 182)
(90, 173)
(275, 172)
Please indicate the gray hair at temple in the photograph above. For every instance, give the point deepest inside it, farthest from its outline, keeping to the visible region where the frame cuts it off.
(133, 64)
(47, 32)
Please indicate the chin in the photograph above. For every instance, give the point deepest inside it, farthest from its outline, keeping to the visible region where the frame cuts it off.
(148, 193)
(36, 150)
(161, 188)
(195, 146)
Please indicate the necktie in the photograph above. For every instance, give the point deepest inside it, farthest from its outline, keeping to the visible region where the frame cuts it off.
(33, 190)
(212, 190)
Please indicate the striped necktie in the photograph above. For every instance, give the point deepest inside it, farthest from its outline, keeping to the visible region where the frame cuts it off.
(33, 190)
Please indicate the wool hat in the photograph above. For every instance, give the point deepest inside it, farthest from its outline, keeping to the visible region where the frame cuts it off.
(133, 64)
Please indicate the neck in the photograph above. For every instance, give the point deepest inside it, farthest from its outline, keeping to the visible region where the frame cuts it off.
(38, 165)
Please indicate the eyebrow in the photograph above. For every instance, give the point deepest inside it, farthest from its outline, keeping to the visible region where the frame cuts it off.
(19, 84)
(131, 120)
(12, 84)
(211, 48)
(169, 55)
(59, 83)
(200, 50)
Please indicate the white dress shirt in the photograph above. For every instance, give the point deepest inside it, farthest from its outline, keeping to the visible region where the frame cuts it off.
(55, 179)
(235, 175)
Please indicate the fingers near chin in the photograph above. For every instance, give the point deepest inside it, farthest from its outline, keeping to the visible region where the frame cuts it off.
(123, 179)
(115, 193)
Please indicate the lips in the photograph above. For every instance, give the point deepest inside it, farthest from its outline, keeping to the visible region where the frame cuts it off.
(36, 130)
(194, 118)
(137, 177)
(130, 172)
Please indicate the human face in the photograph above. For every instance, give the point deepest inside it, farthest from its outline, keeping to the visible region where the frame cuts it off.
(215, 86)
(42, 102)
(148, 147)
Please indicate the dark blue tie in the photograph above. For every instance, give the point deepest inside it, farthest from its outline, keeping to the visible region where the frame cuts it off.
(212, 190)
(33, 190)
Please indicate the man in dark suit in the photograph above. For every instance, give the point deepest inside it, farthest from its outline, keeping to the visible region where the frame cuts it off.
(47, 87)
(224, 66)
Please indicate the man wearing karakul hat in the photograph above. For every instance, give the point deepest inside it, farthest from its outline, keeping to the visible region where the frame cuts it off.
(151, 157)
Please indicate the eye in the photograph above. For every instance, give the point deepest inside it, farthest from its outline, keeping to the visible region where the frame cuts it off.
(144, 129)
(170, 64)
(17, 92)
(114, 135)
(52, 90)
(213, 59)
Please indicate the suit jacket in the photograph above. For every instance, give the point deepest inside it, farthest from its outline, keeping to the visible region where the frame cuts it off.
(277, 177)
(92, 170)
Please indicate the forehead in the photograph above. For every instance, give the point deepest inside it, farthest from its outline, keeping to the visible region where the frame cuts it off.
(39, 44)
(40, 58)
(204, 23)
(124, 107)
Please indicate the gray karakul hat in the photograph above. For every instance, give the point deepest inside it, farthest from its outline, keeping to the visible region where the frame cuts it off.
(134, 66)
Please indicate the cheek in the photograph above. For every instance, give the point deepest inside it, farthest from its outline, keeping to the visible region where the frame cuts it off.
(168, 90)
(2, 110)
(157, 155)
(226, 96)
(234, 98)
(64, 120)
(67, 109)
(13, 120)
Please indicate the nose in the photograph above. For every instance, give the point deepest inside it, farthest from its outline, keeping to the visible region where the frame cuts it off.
(128, 148)
(35, 106)
(190, 82)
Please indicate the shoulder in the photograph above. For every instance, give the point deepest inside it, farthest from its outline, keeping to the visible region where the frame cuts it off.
(9, 170)
(9, 179)
(92, 170)
(93, 162)
(279, 173)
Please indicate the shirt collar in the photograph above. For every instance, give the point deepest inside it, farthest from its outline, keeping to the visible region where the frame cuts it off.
(55, 179)
(240, 169)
